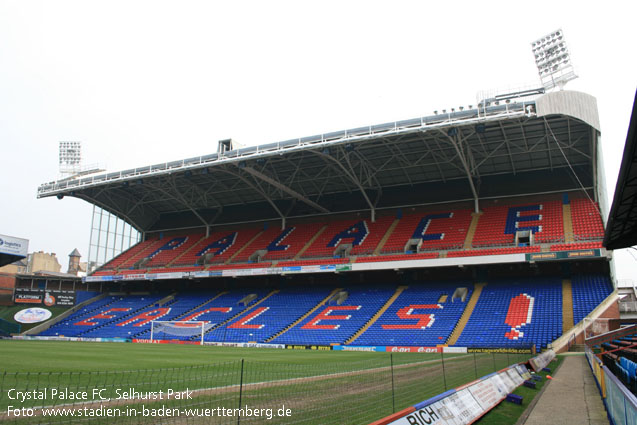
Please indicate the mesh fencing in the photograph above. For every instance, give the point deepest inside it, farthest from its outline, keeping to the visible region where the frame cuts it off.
(243, 391)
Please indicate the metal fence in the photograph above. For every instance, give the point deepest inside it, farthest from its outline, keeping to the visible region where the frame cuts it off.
(243, 391)
(620, 403)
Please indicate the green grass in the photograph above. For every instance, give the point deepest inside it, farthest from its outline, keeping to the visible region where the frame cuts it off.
(321, 387)
(507, 413)
(64, 356)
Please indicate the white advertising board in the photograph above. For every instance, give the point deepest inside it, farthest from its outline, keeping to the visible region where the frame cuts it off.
(13, 246)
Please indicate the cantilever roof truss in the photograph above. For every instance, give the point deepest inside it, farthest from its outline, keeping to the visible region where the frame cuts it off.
(367, 162)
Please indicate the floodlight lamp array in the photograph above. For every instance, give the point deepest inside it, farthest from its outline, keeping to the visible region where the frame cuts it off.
(70, 153)
(553, 59)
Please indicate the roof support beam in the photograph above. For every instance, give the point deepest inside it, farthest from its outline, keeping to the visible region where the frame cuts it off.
(456, 141)
(174, 194)
(285, 189)
(353, 179)
(260, 192)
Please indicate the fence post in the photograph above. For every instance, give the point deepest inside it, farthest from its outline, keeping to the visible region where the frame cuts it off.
(444, 375)
(393, 400)
(240, 393)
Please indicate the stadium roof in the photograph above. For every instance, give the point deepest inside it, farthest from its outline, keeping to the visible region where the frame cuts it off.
(621, 231)
(502, 147)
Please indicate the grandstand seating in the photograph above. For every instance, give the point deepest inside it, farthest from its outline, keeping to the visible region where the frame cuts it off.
(588, 292)
(515, 313)
(205, 306)
(125, 256)
(446, 230)
(171, 249)
(261, 242)
(499, 223)
(587, 221)
(81, 296)
(131, 309)
(440, 231)
(223, 244)
(295, 241)
(362, 234)
(336, 323)
(280, 243)
(417, 317)
(100, 315)
(148, 248)
(270, 317)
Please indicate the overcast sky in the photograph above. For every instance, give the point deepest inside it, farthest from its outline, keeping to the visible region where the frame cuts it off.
(142, 82)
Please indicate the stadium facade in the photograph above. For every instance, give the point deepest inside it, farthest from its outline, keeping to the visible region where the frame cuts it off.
(413, 234)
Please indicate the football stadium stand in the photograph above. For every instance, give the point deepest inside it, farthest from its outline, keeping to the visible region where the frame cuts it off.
(429, 231)
(269, 317)
(516, 313)
(450, 229)
(588, 292)
(339, 319)
(508, 313)
(502, 228)
(422, 315)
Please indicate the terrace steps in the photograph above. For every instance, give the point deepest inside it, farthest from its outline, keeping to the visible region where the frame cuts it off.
(567, 305)
(174, 260)
(385, 237)
(225, 322)
(247, 244)
(306, 315)
(568, 223)
(466, 314)
(310, 242)
(468, 242)
(376, 316)
(147, 250)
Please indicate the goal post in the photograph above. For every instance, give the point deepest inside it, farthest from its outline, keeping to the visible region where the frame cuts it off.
(180, 330)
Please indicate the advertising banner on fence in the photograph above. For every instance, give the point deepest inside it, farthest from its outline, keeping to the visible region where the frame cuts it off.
(454, 350)
(165, 341)
(47, 298)
(540, 361)
(500, 350)
(309, 347)
(371, 348)
(463, 405)
(394, 349)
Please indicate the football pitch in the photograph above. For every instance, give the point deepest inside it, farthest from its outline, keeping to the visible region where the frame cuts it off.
(163, 383)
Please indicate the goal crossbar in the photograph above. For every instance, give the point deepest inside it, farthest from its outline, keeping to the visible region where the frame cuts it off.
(159, 329)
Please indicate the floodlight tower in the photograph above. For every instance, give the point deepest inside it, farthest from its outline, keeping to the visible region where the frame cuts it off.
(553, 60)
(70, 158)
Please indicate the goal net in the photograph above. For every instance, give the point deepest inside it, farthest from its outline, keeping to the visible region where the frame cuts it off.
(179, 330)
